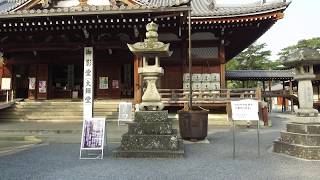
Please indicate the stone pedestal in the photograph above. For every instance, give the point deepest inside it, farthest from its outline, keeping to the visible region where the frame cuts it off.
(150, 136)
(301, 140)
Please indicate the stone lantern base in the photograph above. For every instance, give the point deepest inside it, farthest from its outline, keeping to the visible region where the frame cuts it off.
(150, 136)
(300, 140)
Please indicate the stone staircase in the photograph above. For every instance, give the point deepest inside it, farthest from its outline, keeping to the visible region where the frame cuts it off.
(57, 111)
(301, 140)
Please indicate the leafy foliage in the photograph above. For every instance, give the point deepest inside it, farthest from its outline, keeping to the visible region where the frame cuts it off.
(312, 43)
(255, 57)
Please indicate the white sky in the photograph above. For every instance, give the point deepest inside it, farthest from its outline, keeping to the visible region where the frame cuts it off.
(301, 21)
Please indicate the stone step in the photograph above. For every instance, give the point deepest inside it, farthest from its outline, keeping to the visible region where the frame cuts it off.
(157, 128)
(149, 142)
(303, 139)
(179, 153)
(310, 128)
(151, 116)
(297, 150)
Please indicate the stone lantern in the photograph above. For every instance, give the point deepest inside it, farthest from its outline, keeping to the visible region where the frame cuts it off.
(151, 134)
(151, 49)
(302, 136)
(303, 60)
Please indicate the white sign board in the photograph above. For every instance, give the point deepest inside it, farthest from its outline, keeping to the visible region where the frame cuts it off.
(32, 83)
(245, 110)
(88, 83)
(92, 139)
(42, 86)
(125, 112)
(6, 84)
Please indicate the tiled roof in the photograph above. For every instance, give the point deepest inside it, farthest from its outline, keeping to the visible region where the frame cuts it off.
(8, 5)
(200, 8)
(260, 74)
(203, 8)
(87, 10)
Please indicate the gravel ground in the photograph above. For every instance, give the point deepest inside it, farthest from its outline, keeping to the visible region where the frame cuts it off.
(202, 161)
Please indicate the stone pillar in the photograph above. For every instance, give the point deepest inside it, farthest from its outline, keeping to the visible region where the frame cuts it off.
(304, 75)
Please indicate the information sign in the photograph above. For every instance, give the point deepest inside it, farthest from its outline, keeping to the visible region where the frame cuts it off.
(93, 137)
(88, 83)
(125, 112)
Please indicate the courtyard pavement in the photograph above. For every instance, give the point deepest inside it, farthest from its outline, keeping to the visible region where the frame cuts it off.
(57, 157)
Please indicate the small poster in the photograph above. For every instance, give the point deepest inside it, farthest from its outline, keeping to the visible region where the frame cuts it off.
(115, 83)
(5, 83)
(32, 83)
(245, 110)
(103, 82)
(42, 86)
(93, 133)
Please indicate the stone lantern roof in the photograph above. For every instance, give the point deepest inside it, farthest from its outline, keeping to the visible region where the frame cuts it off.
(303, 56)
(151, 47)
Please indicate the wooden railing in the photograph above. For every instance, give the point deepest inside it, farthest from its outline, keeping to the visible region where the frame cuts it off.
(178, 97)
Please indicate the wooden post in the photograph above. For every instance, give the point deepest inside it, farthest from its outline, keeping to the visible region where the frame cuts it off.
(222, 61)
(283, 98)
(137, 80)
(270, 100)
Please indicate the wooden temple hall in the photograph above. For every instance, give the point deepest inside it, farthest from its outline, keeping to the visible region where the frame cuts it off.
(42, 42)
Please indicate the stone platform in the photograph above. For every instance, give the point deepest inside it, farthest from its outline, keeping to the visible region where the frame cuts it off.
(150, 136)
(301, 140)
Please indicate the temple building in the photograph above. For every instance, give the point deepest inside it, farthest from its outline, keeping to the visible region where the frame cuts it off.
(42, 42)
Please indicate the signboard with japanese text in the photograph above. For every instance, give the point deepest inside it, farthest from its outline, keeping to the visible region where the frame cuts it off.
(245, 110)
(88, 83)
(42, 86)
(32, 83)
(93, 138)
(103, 83)
(5, 83)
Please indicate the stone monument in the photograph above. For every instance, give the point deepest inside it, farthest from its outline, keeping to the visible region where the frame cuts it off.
(151, 134)
(302, 138)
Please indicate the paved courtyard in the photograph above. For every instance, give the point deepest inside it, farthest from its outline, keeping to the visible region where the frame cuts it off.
(53, 160)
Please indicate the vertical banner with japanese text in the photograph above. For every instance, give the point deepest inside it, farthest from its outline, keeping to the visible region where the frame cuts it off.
(88, 83)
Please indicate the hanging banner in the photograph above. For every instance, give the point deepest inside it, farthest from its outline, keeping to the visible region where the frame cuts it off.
(103, 83)
(42, 86)
(32, 83)
(88, 83)
(5, 83)
(245, 110)
(92, 140)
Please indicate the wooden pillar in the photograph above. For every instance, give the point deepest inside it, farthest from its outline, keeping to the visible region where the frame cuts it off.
(291, 94)
(42, 81)
(32, 74)
(264, 88)
(270, 99)
(283, 98)
(222, 61)
(137, 80)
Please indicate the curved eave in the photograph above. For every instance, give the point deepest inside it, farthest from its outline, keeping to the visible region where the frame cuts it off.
(241, 15)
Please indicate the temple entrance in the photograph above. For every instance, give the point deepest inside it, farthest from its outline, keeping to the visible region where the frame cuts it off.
(20, 81)
(66, 81)
(127, 81)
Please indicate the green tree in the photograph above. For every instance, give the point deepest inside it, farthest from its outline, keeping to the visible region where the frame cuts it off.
(312, 43)
(255, 57)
